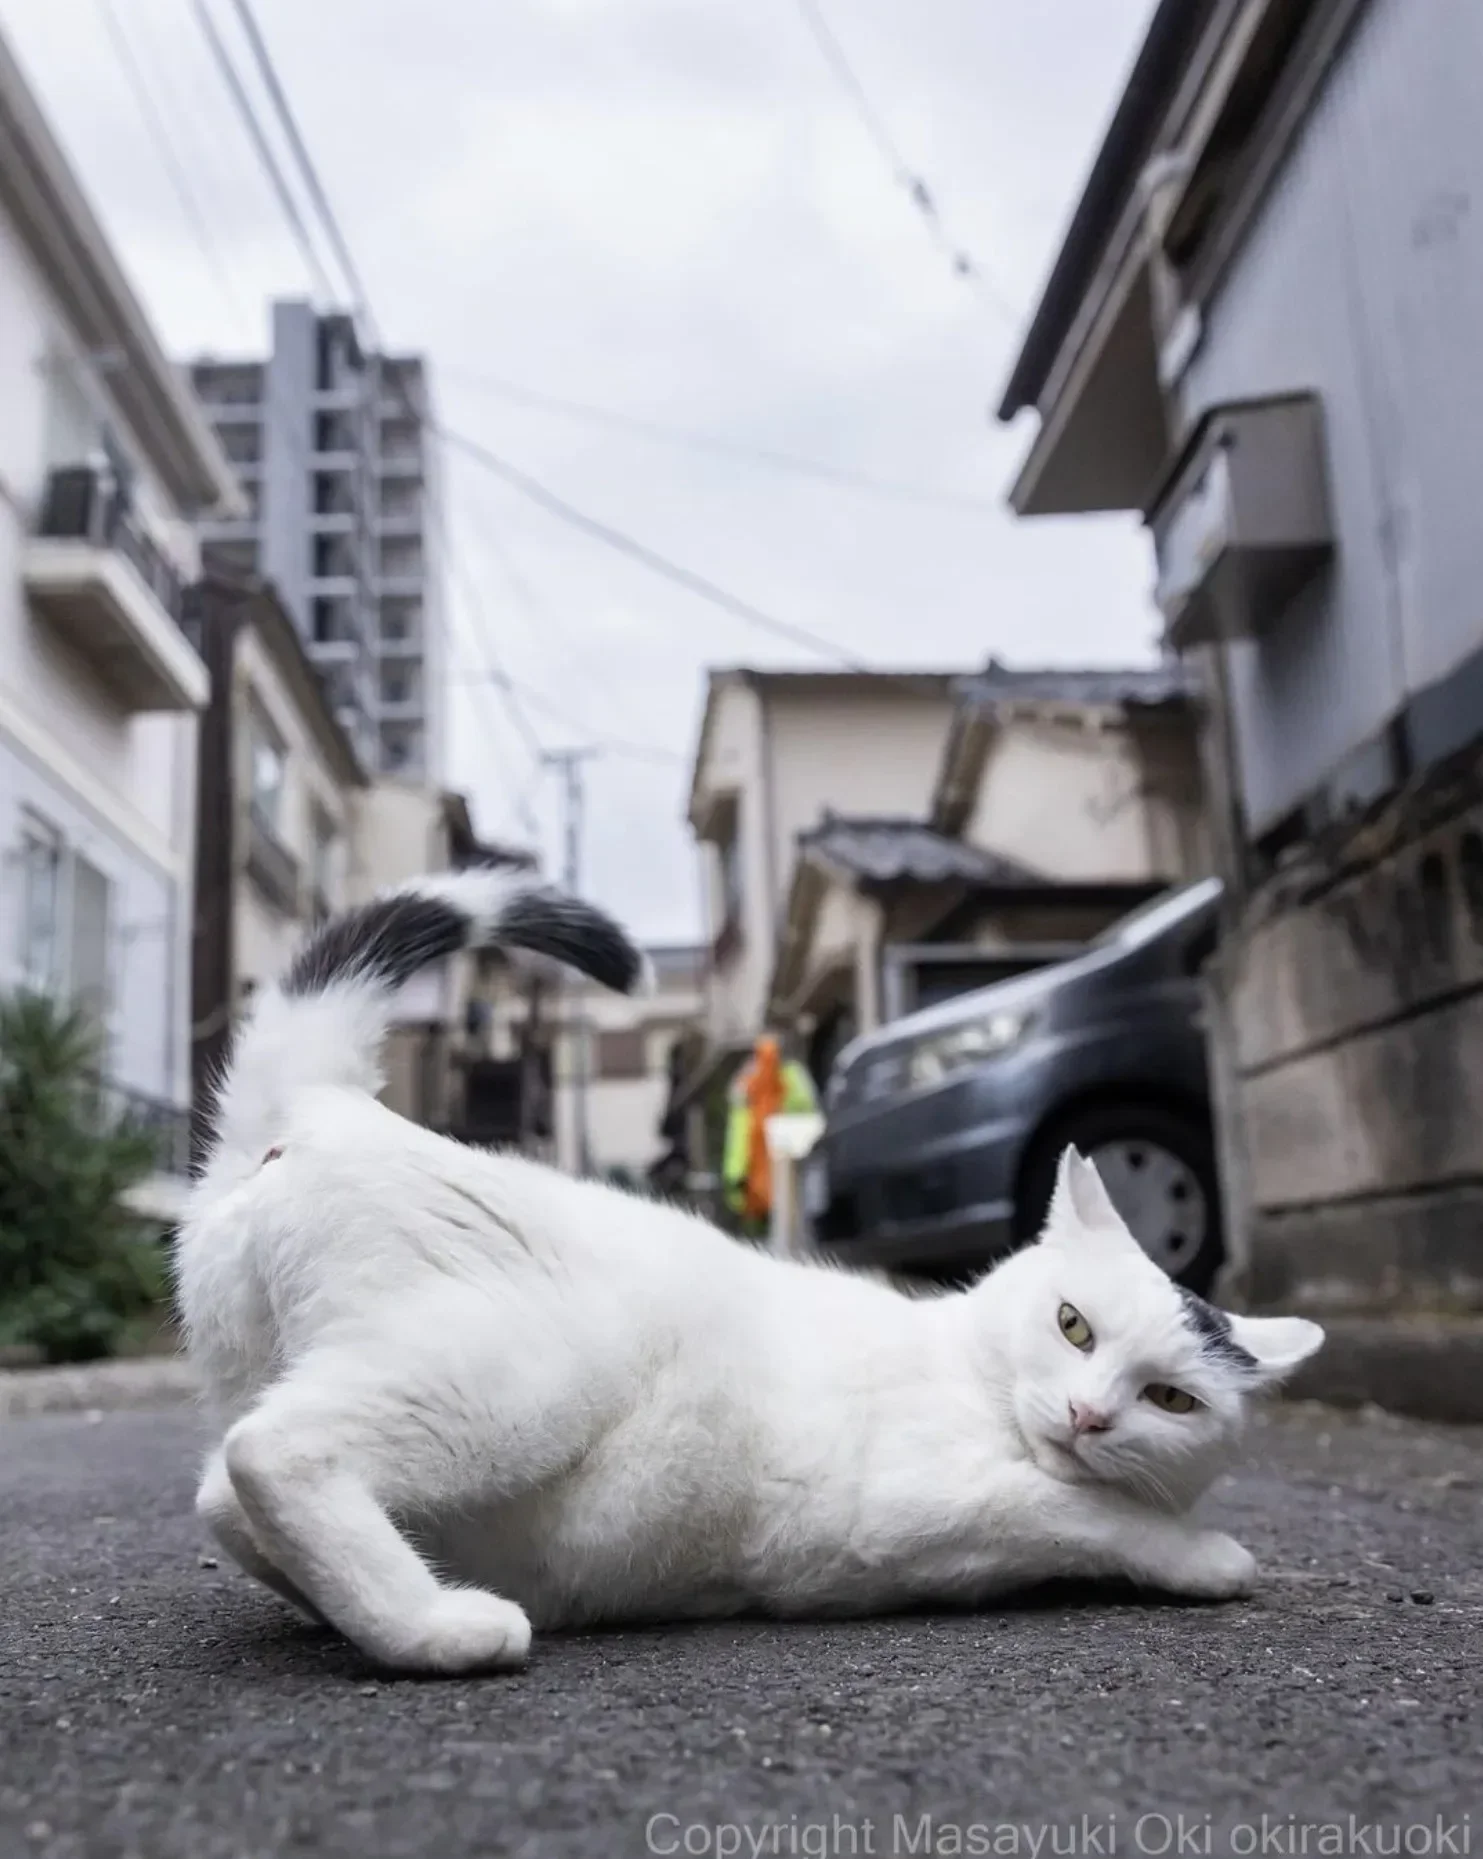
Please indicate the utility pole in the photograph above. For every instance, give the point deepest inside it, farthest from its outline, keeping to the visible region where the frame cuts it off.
(568, 763)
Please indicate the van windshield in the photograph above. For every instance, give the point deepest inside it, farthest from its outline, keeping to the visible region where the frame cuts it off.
(1164, 912)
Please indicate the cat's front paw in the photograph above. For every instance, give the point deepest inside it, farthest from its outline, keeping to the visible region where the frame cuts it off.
(466, 1630)
(1216, 1569)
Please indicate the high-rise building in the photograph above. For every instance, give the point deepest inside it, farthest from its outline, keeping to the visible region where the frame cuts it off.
(335, 453)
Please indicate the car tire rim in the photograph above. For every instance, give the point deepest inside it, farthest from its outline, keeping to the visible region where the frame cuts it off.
(1159, 1196)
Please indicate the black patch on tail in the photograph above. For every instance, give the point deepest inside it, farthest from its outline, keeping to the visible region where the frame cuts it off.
(386, 941)
(564, 928)
(1213, 1327)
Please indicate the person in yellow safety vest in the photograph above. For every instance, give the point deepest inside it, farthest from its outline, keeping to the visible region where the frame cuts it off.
(768, 1087)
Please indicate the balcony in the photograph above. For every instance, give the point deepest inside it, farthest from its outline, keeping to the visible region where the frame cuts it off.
(160, 1196)
(94, 576)
(399, 522)
(401, 462)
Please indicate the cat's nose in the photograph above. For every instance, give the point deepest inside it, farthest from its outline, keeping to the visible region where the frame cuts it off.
(1085, 1419)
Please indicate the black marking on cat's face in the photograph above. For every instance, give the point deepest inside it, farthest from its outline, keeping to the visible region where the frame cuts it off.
(1213, 1327)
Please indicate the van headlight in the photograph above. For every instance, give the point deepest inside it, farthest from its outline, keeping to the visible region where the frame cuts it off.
(955, 1048)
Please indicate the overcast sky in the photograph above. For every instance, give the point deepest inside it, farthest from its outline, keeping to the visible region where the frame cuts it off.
(667, 208)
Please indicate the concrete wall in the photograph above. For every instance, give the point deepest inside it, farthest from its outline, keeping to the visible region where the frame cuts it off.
(117, 788)
(1355, 1003)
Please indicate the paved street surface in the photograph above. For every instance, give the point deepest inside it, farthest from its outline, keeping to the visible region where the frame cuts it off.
(153, 1706)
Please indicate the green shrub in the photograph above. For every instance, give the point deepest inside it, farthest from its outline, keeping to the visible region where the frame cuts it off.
(76, 1268)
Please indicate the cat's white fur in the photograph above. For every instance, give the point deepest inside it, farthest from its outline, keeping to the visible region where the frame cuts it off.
(458, 1393)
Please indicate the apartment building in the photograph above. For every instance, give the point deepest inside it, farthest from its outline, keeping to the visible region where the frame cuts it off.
(106, 464)
(334, 452)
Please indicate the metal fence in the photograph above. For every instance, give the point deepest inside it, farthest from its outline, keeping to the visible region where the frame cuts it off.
(168, 1127)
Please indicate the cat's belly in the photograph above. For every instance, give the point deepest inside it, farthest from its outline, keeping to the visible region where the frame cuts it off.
(643, 1527)
(612, 1543)
(572, 1557)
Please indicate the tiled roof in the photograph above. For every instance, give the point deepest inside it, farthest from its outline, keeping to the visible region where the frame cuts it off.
(1138, 686)
(884, 851)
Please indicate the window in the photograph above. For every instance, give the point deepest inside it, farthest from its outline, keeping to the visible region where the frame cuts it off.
(66, 921)
(397, 619)
(267, 768)
(40, 949)
(325, 863)
(622, 1054)
(91, 977)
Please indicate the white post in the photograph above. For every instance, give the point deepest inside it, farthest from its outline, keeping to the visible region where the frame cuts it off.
(789, 1140)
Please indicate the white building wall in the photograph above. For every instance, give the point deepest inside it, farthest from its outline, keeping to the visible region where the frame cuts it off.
(117, 789)
(1067, 801)
(622, 1113)
(792, 755)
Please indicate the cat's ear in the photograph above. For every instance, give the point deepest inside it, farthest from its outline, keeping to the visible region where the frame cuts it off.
(1080, 1202)
(1277, 1345)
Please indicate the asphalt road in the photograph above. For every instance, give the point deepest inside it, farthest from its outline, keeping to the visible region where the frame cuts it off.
(153, 1706)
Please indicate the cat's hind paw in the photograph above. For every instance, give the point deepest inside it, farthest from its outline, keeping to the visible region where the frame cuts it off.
(466, 1630)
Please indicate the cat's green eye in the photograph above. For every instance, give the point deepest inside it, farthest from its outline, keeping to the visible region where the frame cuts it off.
(1170, 1400)
(1074, 1327)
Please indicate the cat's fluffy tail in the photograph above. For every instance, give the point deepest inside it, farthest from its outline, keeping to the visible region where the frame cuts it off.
(324, 1022)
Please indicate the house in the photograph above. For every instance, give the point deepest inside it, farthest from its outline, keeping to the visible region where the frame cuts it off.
(105, 464)
(1261, 333)
(612, 1064)
(872, 842)
(439, 1065)
(776, 749)
(1061, 799)
(292, 829)
(278, 795)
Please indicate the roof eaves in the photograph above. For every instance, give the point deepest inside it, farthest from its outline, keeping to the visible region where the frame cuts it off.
(1168, 45)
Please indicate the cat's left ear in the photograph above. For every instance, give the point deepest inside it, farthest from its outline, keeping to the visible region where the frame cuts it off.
(1277, 1345)
(1081, 1204)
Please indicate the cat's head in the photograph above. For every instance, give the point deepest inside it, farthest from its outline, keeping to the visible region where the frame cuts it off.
(1120, 1376)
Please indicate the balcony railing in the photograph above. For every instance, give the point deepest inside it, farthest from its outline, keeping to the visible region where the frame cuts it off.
(115, 1106)
(80, 505)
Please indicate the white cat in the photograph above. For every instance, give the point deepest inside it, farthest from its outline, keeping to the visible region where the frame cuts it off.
(459, 1393)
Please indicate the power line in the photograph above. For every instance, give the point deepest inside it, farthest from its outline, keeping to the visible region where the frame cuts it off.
(310, 176)
(263, 149)
(722, 447)
(916, 188)
(265, 64)
(496, 683)
(165, 148)
(640, 552)
(595, 739)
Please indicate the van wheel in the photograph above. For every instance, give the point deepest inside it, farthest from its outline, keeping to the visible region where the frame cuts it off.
(1159, 1168)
